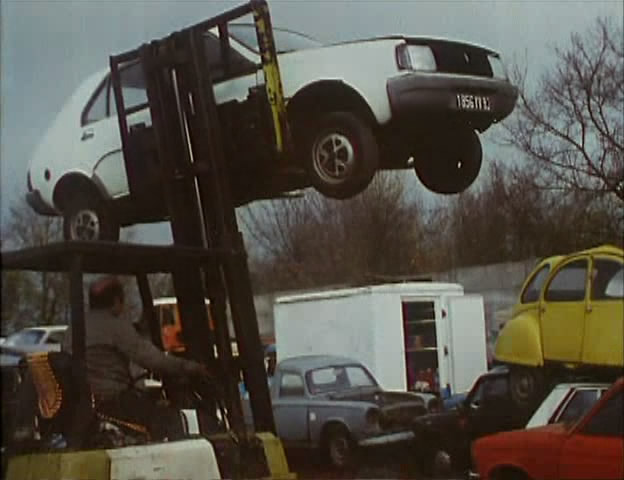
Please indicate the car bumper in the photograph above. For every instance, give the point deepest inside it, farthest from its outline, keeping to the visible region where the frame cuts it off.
(33, 198)
(386, 439)
(422, 95)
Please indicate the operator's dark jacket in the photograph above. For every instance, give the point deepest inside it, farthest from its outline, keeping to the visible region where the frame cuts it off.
(111, 343)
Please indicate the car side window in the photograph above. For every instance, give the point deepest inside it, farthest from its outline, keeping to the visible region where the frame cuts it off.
(55, 337)
(607, 280)
(133, 88)
(291, 385)
(96, 109)
(532, 291)
(609, 420)
(237, 64)
(579, 405)
(568, 284)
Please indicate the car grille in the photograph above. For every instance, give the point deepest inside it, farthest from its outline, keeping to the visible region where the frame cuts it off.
(401, 416)
(458, 58)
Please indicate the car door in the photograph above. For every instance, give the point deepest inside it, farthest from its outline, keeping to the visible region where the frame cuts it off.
(290, 409)
(490, 409)
(596, 449)
(562, 311)
(603, 343)
(100, 143)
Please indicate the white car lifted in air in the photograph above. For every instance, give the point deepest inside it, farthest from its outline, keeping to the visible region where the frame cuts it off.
(353, 108)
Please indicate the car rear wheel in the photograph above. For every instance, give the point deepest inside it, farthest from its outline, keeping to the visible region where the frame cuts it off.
(341, 154)
(339, 447)
(449, 164)
(87, 218)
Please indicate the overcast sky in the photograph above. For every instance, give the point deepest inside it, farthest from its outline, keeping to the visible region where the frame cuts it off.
(48, 47)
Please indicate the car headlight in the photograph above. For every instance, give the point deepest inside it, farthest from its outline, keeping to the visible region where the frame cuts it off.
(497, 66)
(415, 57)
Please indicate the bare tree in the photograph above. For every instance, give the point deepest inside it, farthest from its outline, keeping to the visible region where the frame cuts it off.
(572, 124)
(38, 298)
(314, 240)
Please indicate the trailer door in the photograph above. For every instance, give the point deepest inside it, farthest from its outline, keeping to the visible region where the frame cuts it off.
(467, 352)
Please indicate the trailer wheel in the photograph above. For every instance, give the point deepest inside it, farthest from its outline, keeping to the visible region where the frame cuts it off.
(87, 218)
(526, 385)
(339, 447)
(340, 154)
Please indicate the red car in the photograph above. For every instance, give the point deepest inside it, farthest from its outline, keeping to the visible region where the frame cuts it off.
(593, 447)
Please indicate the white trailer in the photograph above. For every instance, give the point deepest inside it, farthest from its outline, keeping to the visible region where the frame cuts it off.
(405, 333)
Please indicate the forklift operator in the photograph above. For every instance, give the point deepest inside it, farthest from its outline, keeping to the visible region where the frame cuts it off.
(111, 344)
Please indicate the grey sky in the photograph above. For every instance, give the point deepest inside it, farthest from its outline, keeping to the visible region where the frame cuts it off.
(48, 47)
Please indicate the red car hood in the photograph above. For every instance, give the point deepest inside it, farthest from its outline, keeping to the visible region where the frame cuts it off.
(535, 446)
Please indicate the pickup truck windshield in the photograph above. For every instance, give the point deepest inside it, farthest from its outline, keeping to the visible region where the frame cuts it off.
(336, 379)
(285, 40)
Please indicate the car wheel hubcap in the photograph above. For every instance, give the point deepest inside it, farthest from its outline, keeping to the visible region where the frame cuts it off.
(334, 157)
(85, 226)
(339, 450)
(524, 386)
(441, 463)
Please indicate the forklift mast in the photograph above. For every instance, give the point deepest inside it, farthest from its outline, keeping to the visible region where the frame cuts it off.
(185, 147)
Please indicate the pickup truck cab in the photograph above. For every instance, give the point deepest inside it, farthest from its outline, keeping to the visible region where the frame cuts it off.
(354, 107)
(335, 404)
(569, 319)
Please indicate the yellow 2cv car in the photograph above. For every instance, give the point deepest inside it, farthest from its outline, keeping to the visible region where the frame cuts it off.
(568, 321)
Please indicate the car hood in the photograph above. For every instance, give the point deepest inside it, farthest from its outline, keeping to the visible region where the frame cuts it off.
(377, 396)
(523, 441)
(417, 40)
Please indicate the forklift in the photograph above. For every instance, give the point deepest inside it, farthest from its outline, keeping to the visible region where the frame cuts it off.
(181, 158)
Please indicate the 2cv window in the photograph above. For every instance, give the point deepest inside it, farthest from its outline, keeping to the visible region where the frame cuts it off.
(607, 280)
(291, 385)
(568, 284)
(532, 290)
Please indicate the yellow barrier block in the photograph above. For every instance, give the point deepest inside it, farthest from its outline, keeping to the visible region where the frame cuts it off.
(91, 465)
(275, 456)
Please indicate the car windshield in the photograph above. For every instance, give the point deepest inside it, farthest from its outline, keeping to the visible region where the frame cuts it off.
(338, 378)
(285, 40)
(24, 337)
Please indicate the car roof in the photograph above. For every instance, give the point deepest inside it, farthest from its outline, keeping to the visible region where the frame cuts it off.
(305, 363)
(48, 328)
(569, 386)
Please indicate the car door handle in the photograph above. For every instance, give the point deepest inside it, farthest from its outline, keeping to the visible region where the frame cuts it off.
(87, 134)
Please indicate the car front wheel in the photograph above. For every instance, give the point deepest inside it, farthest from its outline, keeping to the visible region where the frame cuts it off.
(341, 154)
(448, 163)
(88, 219)
(339, 447)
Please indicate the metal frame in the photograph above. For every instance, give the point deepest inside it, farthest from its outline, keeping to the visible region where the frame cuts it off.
(190, 151)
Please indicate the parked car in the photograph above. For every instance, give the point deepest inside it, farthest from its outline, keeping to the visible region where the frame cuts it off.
(335, 404)
(442, 440)
(592, 447)
(570, 313)
(354, 107)
(567, 402)
(31, 340)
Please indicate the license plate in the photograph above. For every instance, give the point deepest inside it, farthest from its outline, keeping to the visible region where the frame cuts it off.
(479, 103)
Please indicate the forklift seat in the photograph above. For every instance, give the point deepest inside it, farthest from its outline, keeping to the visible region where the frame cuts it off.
(65, 403)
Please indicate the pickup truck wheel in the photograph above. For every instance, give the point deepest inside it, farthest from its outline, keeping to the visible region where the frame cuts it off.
(440, 464)
(341, 155)
(450, 164)
(87, 218)
(339, 447)
(526, 385)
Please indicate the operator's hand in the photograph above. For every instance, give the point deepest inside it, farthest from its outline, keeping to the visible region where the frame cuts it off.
(198, 370)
